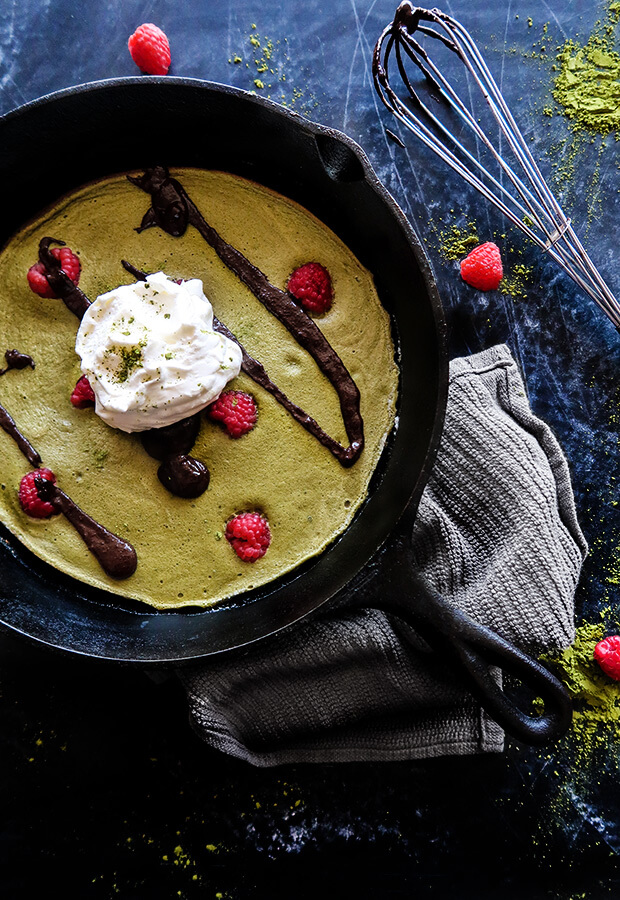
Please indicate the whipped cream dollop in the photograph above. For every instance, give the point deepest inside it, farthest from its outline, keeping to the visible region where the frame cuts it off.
(151, 355)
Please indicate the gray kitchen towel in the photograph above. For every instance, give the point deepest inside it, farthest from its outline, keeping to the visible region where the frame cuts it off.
(496, 534)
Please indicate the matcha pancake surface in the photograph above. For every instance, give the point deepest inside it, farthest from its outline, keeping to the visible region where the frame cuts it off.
(277, 469)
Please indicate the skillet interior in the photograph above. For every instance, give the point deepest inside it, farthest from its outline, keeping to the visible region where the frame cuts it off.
(97, 130)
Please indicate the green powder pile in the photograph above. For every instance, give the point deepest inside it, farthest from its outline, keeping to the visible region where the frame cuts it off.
(589, 750)
(596, 697)
(588, 85)
(585, 87)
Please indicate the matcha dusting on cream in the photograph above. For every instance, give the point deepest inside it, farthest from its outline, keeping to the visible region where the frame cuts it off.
(151, 355)
(130, 359)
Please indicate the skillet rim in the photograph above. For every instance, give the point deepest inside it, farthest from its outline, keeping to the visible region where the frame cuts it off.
(438, 318)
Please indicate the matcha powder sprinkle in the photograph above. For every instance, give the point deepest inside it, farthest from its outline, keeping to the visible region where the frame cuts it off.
(596, 697)
(130, 359)
(588, 83)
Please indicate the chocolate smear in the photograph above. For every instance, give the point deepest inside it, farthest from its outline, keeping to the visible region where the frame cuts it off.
(257, 372)
(116, 557)
(8, 424)
(16, 360)
(171, 439)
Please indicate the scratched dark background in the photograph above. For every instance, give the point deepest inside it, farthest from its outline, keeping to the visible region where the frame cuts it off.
(105, 791)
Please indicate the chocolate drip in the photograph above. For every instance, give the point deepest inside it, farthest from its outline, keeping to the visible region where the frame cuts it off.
(116, 557)
(181, 474)
(171, 439)
(8, 424)
(165, 190)
(258, 373)
(138, 274)
(75, 300)
(16, 360)
(184, 476)
(169, 209)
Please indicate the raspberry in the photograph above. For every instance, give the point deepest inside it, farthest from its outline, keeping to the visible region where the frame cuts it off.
(150, 49)
(482, 268)
(83, 395)
(70, 264)
(249, 535)
(311, 284)
(236, 411)
(29, 499)
(607, 655)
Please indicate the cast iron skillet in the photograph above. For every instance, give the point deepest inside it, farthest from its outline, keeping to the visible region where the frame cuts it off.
(130, 123)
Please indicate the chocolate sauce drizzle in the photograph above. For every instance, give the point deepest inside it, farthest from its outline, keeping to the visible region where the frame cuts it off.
(172, 210)
(16, 360)
(74, 299)
(8, 424)
(257, 372)
(116, 556)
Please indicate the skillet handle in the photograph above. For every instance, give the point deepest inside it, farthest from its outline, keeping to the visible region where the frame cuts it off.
(475, 648)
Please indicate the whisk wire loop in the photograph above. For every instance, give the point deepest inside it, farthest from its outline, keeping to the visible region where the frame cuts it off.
(528, 203)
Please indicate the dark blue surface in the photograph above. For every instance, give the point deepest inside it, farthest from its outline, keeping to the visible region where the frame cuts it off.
(103, 784)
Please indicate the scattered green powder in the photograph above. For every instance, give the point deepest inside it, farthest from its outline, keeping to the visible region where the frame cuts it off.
(266, 61)
(515, 281)
(456, 242)
(181, 858)
(100, 457)
(613, 572)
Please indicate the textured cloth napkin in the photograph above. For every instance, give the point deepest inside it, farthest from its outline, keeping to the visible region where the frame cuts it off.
(496, 534)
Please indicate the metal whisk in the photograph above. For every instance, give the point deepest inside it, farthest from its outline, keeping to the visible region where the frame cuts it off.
(526, 200)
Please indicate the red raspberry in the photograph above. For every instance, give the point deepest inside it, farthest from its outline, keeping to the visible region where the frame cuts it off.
(70, 264)
(482, 268)
(249, 535)
(29, 499)
(236, 411)
(83, 395)
(607, 655)
(311, 284)
(150, 49)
